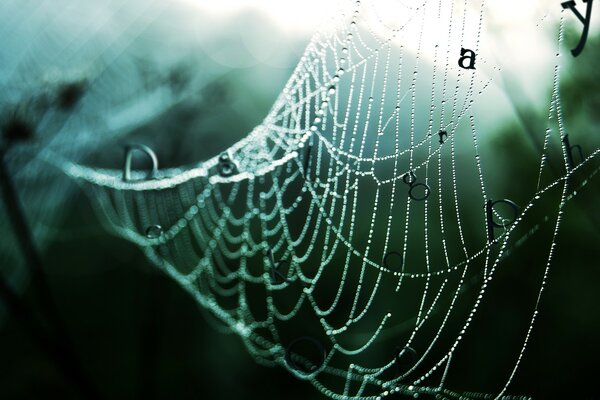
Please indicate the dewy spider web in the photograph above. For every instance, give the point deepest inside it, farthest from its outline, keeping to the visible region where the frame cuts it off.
(269, 236)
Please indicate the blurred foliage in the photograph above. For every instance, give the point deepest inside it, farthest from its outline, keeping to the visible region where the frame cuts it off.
(580, 89)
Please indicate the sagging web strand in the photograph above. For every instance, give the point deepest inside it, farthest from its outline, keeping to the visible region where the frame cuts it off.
(350, 131)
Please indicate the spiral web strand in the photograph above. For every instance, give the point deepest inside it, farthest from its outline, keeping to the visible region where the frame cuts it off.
(277, 235)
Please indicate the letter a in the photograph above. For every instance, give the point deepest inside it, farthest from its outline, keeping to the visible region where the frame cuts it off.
(467, 54)
(585, 21)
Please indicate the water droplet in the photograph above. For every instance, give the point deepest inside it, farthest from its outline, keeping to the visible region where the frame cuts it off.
(154, 232)
(340, 71)
(331, 90)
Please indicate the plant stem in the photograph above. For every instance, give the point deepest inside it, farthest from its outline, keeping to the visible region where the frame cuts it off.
(60, 347)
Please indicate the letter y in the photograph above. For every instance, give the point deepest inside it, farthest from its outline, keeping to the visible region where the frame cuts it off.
(585, 21)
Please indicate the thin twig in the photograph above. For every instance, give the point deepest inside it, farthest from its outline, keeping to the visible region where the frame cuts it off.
(149, 335)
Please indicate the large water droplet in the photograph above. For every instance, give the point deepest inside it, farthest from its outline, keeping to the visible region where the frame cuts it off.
(154, 231)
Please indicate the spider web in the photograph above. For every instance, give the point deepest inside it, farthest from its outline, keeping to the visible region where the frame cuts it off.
(271, 237)
(60, 77)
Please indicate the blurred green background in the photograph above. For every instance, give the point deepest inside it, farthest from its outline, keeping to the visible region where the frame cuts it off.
(137, 334)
